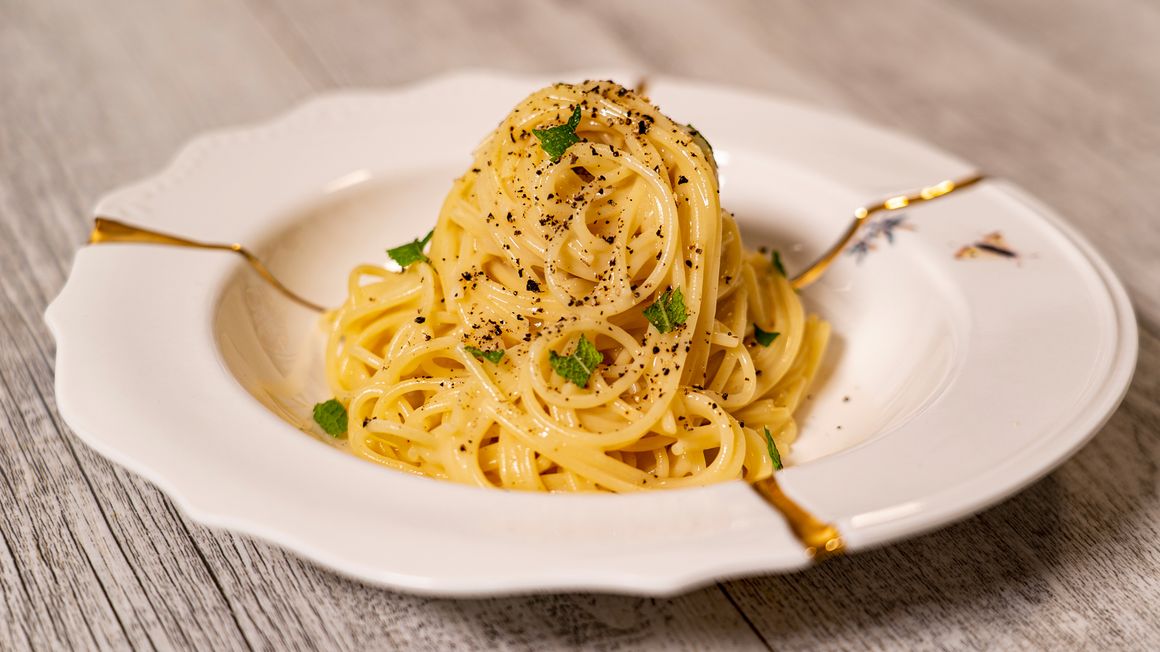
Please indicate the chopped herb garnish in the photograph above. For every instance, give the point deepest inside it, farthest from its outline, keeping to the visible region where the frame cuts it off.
(700, 140)
(331, 416)
(577, 367)
(776, 256)
(668, 311)
(410, 253)
(772, 447)
(491, 356)
(764, 338)
(556, 140)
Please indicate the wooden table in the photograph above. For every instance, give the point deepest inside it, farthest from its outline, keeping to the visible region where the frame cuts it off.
(1061, 96)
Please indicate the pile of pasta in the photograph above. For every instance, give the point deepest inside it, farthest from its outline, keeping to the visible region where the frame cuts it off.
(584, 316)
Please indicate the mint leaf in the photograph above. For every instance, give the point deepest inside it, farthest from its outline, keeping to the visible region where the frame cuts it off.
(777, 262)
(764, 338)
(668, 311)
(578, 366)
(556, 140)
(331, 416)
(772, 448)
(412, 252)
(491, 356)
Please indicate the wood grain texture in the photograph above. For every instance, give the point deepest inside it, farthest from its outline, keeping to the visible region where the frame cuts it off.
(1060, 96)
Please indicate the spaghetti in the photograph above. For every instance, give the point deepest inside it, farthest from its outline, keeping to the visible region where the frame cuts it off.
(586, 317)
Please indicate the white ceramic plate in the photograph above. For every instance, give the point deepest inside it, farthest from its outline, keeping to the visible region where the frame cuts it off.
(951, 383)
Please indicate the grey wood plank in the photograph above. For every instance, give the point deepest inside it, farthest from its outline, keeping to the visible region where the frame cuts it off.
(1059, 97)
